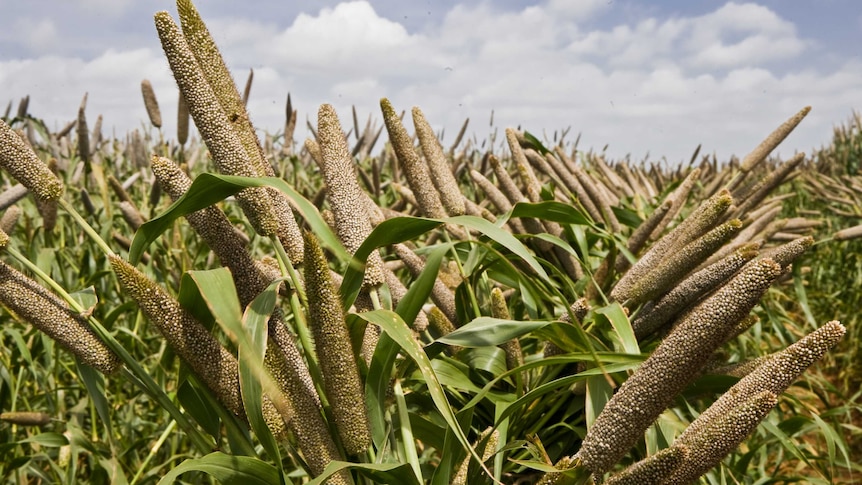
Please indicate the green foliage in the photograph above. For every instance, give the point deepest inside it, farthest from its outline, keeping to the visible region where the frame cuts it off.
(433, 397)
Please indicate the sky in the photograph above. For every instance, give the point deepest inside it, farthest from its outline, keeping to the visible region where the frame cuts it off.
(641, 77)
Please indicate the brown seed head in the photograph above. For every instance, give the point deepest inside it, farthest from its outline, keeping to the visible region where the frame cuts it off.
(45, 311)
(345, 197)
(151, 103)
(673, 364)
(17, 158)
(213, 124)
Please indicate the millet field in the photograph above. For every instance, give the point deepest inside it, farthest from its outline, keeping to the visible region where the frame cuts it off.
(243, 308)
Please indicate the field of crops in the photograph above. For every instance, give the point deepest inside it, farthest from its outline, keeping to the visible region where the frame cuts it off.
(235, 308)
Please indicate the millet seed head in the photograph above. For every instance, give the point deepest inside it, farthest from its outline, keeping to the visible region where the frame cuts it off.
(345, 196)
(438, 165)
(652, 469)
(775, 374)
(213, 124)
(17, 158)
(718, 437)
(332, 342)
(671, 366)
(427, 198)
(214, 365)
(45, 311)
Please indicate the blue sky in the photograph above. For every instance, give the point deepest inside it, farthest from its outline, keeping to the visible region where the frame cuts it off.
(657, 77)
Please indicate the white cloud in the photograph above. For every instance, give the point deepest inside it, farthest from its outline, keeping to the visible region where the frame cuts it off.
(38, 34)
(110, 7)
(656, 84)
(579, 10)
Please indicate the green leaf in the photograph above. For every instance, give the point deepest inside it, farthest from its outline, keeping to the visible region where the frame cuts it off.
(377, 386)
(390, 231)
(557, 385)
(209, 188)
(386, 473)
(248, 332)
(199, 408)
(227, 469)
(53, 440)
(535, 143)
(551, 210)
(599, 392)
(254, 323)
(487, 331)
(218, 294)
(501, 237)
(95, 384)
(410, 306)
(622, 327)
(394, 326)
(86, 298)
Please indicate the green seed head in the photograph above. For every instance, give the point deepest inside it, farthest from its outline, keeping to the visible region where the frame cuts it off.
(335, 352)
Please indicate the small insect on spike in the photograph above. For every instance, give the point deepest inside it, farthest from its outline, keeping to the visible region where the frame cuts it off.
(151, 103)
(45, 311)
(332, 342)
(17, 158)
(218, 77)
(214, 126)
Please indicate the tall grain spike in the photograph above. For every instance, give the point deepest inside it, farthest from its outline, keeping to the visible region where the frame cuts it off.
(83, 133)
(441, 173)
(345, 196)
(45, 311)
(151, 103)
(214, 126)
(335, 352)
(418, 177)
(17, 158)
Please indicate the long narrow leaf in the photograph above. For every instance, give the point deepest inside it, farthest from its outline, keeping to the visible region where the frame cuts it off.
(227, 469)
(487, 331)
(395, 327)
(388, 232)
(208, 189)
(385, 473)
